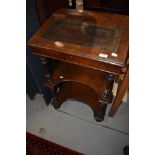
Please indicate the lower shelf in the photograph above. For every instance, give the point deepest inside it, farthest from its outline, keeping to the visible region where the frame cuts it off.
(73, 82)
(101, 82)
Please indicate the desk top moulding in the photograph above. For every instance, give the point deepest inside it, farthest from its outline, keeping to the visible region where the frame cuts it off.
(94, 40)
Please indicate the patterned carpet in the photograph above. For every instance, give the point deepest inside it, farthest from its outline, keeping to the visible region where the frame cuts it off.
(38, 146)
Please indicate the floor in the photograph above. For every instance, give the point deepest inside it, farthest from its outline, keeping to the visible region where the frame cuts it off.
(73, 126)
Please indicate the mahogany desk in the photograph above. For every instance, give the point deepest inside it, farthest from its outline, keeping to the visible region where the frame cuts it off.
(82, 52)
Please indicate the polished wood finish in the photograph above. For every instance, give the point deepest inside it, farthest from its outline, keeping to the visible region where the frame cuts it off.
(99, 82)
(85, 55)
(72, 90)
(88, 50)
(121, 92)
(82, 84)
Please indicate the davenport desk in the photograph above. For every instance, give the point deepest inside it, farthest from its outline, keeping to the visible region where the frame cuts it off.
(83, 53)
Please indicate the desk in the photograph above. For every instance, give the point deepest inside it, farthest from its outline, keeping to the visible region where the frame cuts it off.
(82, 53)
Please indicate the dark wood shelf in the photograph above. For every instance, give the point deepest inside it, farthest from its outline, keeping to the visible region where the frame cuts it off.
(64, 72)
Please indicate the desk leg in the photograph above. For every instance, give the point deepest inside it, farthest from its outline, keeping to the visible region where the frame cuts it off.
(121, 91)
(44, 62)
(48, 93)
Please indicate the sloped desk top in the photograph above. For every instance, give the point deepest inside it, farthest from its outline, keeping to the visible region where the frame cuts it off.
(95, 40)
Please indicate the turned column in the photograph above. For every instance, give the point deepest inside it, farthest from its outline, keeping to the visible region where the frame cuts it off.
(107, 96)
(47, 74)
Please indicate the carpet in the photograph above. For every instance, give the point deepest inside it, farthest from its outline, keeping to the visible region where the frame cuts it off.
(38, 146)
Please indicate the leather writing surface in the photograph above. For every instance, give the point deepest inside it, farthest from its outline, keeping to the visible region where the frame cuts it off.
(77, 31)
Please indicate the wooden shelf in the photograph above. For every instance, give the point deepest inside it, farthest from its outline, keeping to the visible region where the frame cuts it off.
(64, 72)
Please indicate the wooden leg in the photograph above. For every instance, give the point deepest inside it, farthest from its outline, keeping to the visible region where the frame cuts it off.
(121, 91)
(44, 62)
(48, 93)
(100, 116)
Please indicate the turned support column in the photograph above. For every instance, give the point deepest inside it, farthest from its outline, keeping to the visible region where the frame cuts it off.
(107, 96)
(47, 74)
